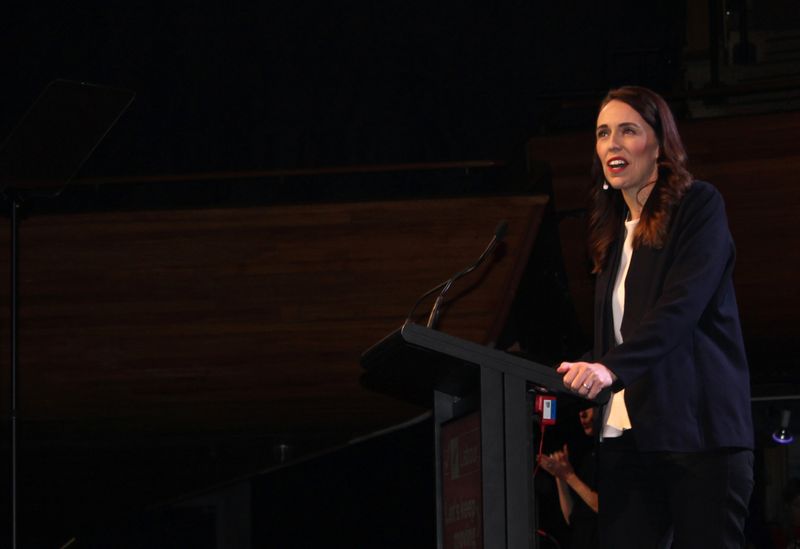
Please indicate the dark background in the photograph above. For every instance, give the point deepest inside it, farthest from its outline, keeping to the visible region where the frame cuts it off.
(290, 84)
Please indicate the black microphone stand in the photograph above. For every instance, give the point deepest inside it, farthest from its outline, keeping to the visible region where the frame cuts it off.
(499, 235)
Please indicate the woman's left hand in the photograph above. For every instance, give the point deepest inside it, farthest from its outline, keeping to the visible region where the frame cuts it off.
(586, 379)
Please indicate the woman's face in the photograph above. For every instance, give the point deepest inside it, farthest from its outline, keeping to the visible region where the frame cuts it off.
(587, 420)
(627, 147)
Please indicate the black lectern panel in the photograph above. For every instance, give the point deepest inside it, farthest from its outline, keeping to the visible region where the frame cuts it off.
(399, 366)
(412, 362)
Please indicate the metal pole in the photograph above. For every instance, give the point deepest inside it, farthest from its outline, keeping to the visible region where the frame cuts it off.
(15, 205)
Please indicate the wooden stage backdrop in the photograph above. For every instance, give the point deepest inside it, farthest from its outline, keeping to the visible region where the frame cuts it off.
(243, 320)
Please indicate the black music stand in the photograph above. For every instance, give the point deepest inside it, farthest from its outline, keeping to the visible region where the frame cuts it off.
(491, 389)
(40, 156)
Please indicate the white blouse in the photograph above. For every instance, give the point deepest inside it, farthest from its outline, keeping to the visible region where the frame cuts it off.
(616, 419)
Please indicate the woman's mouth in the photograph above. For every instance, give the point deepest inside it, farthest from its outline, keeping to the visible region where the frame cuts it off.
(617, 164)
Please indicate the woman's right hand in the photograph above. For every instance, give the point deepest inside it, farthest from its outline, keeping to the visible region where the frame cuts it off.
(586, 379)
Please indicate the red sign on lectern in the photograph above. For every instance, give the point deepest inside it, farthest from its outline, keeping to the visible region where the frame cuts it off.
(461, 483)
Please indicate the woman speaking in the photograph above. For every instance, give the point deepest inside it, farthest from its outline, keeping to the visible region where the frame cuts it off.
(675, 458)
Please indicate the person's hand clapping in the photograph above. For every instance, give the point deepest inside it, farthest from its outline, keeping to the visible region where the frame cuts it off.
(557, 463)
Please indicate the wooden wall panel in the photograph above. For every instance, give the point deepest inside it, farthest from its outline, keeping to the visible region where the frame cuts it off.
(243, 319)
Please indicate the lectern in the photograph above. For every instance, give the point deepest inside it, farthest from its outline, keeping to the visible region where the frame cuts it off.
(481, 399)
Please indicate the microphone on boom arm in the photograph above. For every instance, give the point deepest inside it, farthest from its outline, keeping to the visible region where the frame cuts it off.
(499, 235)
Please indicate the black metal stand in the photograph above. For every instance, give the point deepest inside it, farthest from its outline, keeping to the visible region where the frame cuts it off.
(14, 309)
(44, 151)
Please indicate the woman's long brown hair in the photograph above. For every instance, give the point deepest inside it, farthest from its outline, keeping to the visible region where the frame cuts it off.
(608, 207)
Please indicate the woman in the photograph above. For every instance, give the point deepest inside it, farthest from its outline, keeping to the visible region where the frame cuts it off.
(576, 489)
(675, 457)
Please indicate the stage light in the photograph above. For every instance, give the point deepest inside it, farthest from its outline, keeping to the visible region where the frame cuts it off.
(783, 435)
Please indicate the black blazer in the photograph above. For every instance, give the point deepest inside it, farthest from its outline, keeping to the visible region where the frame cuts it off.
(682, 360)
